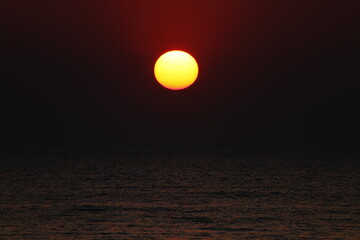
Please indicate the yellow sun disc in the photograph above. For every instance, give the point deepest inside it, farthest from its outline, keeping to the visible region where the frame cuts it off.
(176, 70)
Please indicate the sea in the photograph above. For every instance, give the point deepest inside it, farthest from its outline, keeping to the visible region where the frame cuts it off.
(180, 193)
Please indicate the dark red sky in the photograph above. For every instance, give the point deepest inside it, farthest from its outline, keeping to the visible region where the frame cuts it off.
(271, 72)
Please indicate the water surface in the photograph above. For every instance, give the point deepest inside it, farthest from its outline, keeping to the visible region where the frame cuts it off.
(179, 193)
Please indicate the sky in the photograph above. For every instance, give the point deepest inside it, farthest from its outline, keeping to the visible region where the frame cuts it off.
(270, 73)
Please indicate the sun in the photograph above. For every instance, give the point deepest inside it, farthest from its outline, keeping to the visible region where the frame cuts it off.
(176, 70)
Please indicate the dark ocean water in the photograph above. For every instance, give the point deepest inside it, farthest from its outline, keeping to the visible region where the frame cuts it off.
(180, 193)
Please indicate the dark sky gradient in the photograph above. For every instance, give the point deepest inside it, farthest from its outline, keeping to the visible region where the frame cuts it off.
(271, 72)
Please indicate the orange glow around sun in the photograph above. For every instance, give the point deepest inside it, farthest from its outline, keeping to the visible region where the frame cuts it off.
(176, 70)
